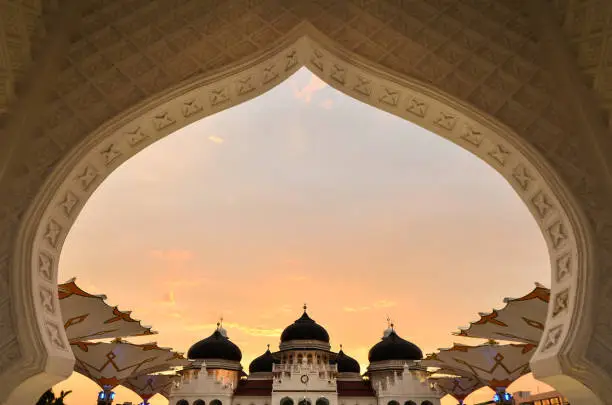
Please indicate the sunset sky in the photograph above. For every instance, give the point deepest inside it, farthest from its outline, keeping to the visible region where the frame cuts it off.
(304, 195)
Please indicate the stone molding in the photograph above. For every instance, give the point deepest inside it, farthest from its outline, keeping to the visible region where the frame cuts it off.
(82, 170)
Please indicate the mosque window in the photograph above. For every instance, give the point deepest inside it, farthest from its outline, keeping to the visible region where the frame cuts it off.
(410, 403)
(322, 401)
(426, 403)
(305, 401)
(182, 402)
(199, 402)
(286, 401)
(215, 402)
(393, 403)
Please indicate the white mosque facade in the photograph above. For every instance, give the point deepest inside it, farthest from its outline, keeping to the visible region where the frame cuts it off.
(304, 371)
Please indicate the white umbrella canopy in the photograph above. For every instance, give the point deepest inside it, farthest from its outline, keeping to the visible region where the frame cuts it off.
(87, 316)
(458, 387)
(497, 366)
(148, 385)
(109, 364)
(521, 320)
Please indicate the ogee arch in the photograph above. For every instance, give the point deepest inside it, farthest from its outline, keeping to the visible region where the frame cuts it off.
(73, 180)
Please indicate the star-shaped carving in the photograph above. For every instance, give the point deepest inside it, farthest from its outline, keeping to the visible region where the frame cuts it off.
(542, 204)
(136, 136)
(53, 333)
(446, 121)
(389, 97)
(363, 86)
(109, 154)
(563, 267)
(338, 73)
(472, 136)
(557, 234)
(245, 86)
(291, 59)
(53, 232)
(70, 200)
(218, 96)
(269, 73)
(417, 107)
(44, 266)
(317, 59)
(190, 107)
(552, 337)
(46, 299)
(500, 154)
(162, 120)
(561, 302)
(522, 176)
(87, 177)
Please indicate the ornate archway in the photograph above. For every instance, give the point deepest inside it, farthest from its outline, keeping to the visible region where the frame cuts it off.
(517, 144)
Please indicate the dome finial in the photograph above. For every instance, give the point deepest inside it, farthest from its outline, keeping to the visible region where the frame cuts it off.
(220, 328)
(305, 307)
(340, 346)
(389, 329)
(268, 346)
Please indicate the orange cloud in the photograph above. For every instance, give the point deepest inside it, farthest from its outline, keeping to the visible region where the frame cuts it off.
(216, 139)
(327, 104)
(308, 91)
(169, 299)
(248, 330)
(376, 305)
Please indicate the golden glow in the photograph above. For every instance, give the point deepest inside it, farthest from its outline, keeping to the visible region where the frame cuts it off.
(304, 195)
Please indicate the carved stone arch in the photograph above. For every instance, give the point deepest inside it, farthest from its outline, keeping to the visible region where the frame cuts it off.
(48, 357)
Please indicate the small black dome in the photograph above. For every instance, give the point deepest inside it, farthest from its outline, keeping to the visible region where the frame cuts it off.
(346, 364)
(216, 346)
(304, 329)
(393, 347)
(263, 363)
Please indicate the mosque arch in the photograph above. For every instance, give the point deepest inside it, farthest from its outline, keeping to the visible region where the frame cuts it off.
(182, 402)
(304, 401)
(322, 401)
(562, 195)
(426, 403)
(286, 401)
(199, 402)
(410, 403)
(393, 402)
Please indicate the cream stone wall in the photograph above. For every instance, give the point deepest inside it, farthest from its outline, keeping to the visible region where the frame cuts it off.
(519, 83)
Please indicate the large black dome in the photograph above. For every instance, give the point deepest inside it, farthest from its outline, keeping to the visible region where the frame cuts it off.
(263, 363)
(304, 329)
(216, 346)
(346, 364)
(393, 347)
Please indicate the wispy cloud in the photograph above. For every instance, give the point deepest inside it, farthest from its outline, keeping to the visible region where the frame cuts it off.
(248, 330)
(305, 93)
(378, 304)
(168, 299)
(172, 254)
(328, 104)
(216, 139)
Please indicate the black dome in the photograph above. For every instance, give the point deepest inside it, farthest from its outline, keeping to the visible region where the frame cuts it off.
(263, 363)
(216, 346)
(304, 329)
(393, 347)
(346, 364)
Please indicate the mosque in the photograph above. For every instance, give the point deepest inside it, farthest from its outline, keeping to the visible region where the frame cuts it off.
(304, 371)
